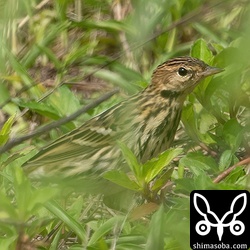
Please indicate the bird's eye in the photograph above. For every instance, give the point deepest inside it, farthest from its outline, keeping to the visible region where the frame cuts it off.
(182, 71)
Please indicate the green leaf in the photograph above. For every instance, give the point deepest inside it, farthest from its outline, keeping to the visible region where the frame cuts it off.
(73, 224)
(106, 227)
(39, 197)
(198, 182)
(234, 176)
(162, 180)
(23, 192)
(157, 231)
(203, 181)
(116, 79)
(225, 159)
(40, 108)
(64, 101)
(6, 129)
(121, 179)
(199, 163)
(8, 242)
(189, 120)
(206, 121)
(131, 160)
(7, 210)
(154, 166)
(9, 108)
(200, 50)
(233, 134)
(76, 207)
(127, 73)
(28, 199)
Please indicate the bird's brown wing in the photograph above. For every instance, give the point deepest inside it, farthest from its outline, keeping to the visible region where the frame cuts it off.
(91, 146)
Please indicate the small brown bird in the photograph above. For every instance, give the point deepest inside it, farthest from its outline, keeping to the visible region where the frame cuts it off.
(146, 123)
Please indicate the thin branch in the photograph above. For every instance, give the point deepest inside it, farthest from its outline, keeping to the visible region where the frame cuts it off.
(208, 150)
(225, 173)
(58, 123)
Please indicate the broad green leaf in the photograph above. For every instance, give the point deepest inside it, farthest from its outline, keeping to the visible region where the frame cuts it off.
(206, 121)
(39, 197)
(28, 199)
(162, 180)
(131, 160)
(41, 108)
(154, 166)
(75, 209)
(189, 120)
(197, 182)
(18, 159)
(121, 179)
(203, 181)
(234, 176)
(9, 108)
(185, 185)
(8, 242)
(64, 101)
(218, 47)
(232, 134)
(157, 231)
(199, 163)
(23, 192)
(6, 129)
(225, 159)
(177, 224)
(200, 50)
(7, 210)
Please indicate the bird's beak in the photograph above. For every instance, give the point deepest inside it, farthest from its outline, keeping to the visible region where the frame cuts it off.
(211, 71)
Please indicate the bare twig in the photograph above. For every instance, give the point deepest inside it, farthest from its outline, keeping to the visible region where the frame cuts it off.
(225, 173)
(58, 123)
(208, 150)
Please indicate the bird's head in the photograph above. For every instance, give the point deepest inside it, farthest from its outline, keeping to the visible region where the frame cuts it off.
(181, 74)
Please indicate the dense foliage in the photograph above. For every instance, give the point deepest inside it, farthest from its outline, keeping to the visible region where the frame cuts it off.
(58, 56)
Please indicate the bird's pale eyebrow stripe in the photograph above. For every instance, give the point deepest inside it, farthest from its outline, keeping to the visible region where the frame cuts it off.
(177, 61)
(164, 65)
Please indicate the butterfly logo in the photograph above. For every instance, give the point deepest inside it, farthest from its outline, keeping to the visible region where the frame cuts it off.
(203, 227)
